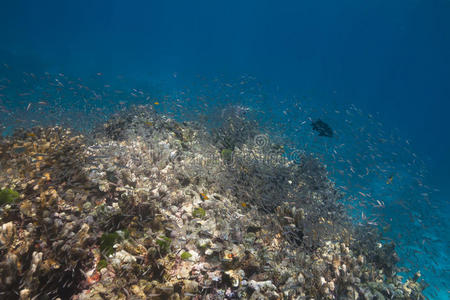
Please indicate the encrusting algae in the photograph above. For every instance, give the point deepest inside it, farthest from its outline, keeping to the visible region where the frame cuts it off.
(8, 196)
(125, 216)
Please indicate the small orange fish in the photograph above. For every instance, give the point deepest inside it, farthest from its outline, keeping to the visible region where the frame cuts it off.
(244, 205)
(31, 134)
(156, 103)
(204, 197)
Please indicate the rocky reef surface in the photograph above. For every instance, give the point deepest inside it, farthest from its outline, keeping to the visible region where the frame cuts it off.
(150, 208)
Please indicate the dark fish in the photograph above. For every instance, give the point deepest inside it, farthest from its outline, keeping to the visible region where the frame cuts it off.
(322, 128)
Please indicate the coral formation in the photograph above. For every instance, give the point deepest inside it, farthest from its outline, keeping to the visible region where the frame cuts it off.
(172, 211)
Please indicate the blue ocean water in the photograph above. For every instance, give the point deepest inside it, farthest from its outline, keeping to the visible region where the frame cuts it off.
(377, 71)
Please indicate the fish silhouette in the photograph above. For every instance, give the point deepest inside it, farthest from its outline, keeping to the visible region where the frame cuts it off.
(322, 128)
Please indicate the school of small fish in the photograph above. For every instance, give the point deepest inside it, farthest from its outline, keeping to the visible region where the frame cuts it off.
(383, 182)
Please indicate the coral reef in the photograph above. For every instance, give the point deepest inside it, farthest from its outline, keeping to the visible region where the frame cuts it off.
(149, 208)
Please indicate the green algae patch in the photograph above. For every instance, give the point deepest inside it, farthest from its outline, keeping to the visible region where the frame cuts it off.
(198, 212)
(8, 196)
(164, 243)
(107, 242)
(186, 255)
(227, 154)
(102, 264)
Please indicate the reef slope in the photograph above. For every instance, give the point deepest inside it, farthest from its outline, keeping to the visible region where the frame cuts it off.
(150, 208)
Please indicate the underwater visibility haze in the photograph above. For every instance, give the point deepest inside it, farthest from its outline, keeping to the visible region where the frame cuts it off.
(224, 150)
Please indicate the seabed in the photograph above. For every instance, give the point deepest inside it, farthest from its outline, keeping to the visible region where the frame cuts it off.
(146, 207)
